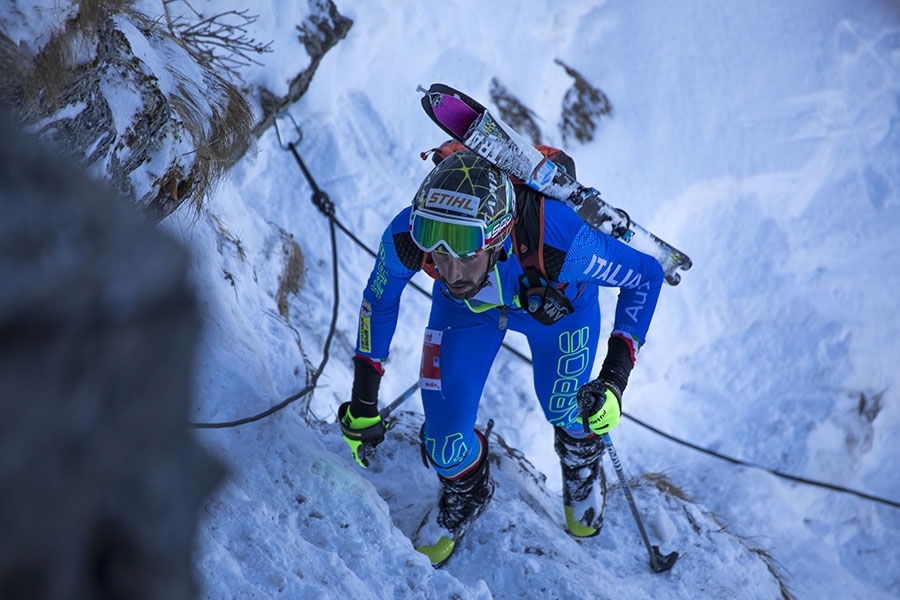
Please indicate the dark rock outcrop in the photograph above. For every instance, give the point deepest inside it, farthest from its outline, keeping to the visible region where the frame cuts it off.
(322, 30)
(101, 478)
(583, 106)
(185, 130)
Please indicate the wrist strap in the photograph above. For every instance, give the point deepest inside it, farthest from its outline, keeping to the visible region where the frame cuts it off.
(360, 429)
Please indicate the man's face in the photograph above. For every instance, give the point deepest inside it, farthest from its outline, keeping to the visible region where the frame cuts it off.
(462, 276)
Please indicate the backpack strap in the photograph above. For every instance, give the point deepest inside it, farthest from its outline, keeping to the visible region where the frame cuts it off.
(543, 302)
(528, 235)
(528, 232)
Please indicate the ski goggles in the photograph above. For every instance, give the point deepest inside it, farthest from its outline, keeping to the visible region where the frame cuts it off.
(460, 236)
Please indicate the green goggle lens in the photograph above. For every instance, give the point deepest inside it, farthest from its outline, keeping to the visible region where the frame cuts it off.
(460, 238)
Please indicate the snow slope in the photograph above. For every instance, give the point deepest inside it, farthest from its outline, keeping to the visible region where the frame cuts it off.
(762, 138)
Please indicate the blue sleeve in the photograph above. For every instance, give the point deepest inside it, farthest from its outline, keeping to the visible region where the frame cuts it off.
(381, 297)
(596, 258)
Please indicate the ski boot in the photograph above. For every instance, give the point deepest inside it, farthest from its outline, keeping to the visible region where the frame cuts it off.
(461, 502)
(584, 482)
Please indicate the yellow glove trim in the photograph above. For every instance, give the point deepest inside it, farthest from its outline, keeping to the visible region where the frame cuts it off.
(607, 417)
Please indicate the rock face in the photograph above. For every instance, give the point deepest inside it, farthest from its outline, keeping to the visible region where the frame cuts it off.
(139, 105)
(324, 28)
(107, 92)
(583, 106)
(101, 479)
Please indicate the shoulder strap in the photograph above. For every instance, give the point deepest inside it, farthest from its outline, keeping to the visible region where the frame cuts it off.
(528, 233)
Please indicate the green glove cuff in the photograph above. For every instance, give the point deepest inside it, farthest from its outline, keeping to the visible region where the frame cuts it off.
(357, 425)
(362, 434)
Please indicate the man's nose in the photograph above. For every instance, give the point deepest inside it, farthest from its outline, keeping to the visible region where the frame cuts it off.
(453, 270)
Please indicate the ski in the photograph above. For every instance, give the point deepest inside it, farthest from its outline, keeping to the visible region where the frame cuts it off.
(473, 125)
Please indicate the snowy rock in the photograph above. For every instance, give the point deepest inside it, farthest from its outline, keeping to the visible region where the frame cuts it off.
(145, 106)
(320, 32)
(106, 92)
(583, 106)
(511, 110)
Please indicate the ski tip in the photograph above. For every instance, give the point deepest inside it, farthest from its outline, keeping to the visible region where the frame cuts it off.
(682, 263)
(451, 110)
(673, 278)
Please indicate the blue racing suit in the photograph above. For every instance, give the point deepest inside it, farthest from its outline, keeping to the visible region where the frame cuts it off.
(463, 336)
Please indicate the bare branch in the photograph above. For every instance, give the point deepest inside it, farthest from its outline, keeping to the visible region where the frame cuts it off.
(222, 40)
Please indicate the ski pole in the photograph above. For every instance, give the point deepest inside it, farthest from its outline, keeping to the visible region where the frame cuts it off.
(385, 412)
(658, 562)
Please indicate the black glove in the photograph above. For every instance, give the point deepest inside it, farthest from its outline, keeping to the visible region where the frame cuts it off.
(600, 406)
(598, 413)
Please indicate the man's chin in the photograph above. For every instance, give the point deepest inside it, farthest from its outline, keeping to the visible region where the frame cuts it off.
(461, 293)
